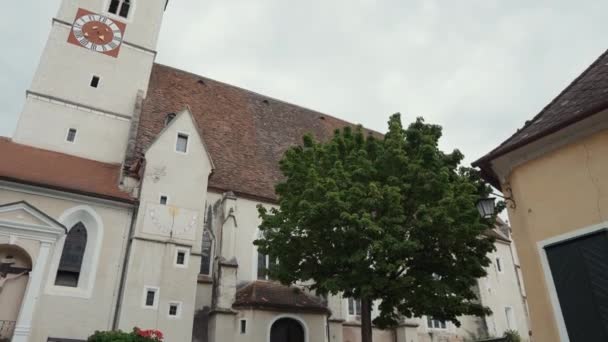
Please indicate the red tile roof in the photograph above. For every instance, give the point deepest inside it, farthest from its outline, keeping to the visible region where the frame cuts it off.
(246, 133)
(34, 166)
(585, 96)
(274, 296)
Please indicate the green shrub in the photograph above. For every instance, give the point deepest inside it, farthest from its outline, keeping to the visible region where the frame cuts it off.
(137, 335)
(512, 336)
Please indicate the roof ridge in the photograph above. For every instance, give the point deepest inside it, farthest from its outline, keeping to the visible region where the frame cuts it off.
(545, 108)
(265, 96)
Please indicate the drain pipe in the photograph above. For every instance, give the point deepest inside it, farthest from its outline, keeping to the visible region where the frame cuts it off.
(123, 275)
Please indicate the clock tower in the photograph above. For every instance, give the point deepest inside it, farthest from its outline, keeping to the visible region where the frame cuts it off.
(92, 76)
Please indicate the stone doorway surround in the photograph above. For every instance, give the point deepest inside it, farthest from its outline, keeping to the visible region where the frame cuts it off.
(27, 227)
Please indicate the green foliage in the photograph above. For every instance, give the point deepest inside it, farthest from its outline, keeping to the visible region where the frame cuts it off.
(137, 335)
(512, 336)
(391, 219)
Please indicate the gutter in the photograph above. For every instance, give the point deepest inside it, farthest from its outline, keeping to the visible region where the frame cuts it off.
(123, 275)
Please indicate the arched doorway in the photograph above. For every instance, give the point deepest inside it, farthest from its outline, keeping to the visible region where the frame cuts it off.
(15, 265)
(287, 330)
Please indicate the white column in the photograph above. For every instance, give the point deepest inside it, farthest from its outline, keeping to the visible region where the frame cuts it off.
(32, 293)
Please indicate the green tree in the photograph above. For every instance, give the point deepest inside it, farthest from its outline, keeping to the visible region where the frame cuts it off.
(389, 219)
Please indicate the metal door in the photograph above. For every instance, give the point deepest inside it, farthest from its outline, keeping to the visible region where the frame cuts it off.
(580, 272)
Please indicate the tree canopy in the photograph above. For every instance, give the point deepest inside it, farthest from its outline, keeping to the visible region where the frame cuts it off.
(386, 218)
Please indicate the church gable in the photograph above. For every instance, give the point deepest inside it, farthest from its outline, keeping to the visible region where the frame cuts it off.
(24, 215)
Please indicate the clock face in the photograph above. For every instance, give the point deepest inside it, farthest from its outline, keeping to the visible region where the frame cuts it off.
(97, 33)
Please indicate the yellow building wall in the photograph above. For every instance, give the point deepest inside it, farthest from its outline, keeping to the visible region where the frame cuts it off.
(558, 193)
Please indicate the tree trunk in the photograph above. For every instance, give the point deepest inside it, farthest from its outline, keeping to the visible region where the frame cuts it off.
(366, 320)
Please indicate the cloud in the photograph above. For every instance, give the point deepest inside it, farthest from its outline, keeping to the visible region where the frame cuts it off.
(480, 68)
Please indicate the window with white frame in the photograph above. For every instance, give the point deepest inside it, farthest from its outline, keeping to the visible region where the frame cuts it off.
(150, 297)
(354, 308)
(120, 8)
(71, 136)
(175, 310)
(435, 323)
(206, 253)
(181, 257)
(264, 264)
(181, 144)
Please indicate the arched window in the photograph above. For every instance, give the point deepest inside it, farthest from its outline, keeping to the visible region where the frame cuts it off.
(120, 7)
(207, 253)
(70, 263)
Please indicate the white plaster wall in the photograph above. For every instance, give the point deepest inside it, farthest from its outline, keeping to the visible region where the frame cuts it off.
(45, 125)
(183, 178)
(85, 315)
(143, 24)
(152, 264)
(501, 289)
(247, 221)
(65, 71)
(204, 292)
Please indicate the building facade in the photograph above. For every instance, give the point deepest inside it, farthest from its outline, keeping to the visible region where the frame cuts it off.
(128, 198)
(554, 171)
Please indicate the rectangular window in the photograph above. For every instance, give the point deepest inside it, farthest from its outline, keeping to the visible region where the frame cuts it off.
(182, 143)
(354, 307)
(124, 10)
(164, 200)
(150, 297)
(71, 137)
(435, 323)
(181, 257)
(175, 309)
(262, 266)
(95, 81)
(498, 265)
(114, 6)
(243, 326)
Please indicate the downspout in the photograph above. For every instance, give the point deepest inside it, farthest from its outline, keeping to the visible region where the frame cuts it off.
(123, 275)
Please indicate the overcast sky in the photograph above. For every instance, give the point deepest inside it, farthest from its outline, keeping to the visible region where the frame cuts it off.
(480, 68)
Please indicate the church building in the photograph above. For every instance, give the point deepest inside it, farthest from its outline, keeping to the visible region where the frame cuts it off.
(128, 197)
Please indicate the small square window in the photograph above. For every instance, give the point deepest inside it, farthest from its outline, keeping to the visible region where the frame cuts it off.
(164, 200)
(182, 143)
(181, 258)
(95, 81)
(71, 137)
(175, 309)
(243, 326)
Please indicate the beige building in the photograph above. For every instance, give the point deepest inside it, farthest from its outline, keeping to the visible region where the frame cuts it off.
(128, 198)
(555, 170)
